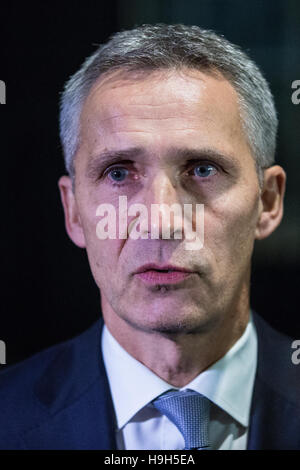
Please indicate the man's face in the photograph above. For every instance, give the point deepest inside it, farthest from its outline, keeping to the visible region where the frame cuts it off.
(178, 138)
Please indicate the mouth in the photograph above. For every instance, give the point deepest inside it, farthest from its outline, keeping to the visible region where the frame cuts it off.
(152, 274)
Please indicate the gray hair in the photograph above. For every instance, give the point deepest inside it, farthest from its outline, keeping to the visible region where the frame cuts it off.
(160, 46)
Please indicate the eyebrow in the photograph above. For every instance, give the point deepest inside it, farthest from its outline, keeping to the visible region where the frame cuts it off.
(205, 153)
(99, 162)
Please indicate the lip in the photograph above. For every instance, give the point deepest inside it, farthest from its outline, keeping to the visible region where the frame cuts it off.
(164, 267)
(153, 274)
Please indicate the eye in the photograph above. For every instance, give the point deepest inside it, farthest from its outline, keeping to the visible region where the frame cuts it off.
(118, 174)
(204, 170)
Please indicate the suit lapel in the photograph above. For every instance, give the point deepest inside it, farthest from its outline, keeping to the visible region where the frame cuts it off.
(75, 391)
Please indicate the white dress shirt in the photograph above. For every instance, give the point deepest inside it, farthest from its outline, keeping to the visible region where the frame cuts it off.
(228, 383)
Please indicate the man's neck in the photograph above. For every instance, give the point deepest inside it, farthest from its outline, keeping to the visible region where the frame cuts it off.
(178, 358)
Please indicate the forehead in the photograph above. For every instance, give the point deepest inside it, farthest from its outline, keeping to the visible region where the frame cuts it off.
(161, 89)
(163, 107)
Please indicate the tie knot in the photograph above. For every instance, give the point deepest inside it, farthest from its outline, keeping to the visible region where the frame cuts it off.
(189, 411)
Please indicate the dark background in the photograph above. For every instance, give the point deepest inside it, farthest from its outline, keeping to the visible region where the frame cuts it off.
(47, 291)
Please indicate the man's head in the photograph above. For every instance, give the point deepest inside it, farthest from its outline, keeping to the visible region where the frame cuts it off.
(163, 115)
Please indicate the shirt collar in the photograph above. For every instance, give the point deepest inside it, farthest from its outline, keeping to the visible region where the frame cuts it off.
(228, 382)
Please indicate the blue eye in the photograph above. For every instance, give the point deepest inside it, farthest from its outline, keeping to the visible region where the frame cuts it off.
(118, 174)
(204, 170)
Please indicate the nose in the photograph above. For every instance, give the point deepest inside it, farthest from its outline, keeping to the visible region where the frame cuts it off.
(164, 209)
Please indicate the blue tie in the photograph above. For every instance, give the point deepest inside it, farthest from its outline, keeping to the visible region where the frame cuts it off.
(189, 411)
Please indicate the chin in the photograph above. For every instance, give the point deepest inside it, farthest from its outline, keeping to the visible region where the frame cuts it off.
(170, 322)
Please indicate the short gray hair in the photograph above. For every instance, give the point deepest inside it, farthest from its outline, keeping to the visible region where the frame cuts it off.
(161, 46)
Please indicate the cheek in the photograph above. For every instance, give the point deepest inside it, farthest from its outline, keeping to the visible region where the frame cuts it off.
(103, 260)
(102, 253)
(230, 228)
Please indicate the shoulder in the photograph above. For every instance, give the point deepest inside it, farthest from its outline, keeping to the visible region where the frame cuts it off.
(27, 388)
(275, 366)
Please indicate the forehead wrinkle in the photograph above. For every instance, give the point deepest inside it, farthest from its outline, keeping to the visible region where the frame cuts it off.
(106, 112)
(108, 100)
(162, 104)
(127, 123)
(144, 118)
(149, 131)
(127, 119)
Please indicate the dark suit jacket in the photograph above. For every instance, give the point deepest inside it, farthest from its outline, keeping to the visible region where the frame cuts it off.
(60, 398)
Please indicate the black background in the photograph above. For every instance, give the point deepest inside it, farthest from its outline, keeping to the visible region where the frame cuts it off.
(47, 291)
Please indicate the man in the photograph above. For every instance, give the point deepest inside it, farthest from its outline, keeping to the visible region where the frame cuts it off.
(165, 115)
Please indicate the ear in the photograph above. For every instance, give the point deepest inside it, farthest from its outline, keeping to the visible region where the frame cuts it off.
(271, 201)
(72, 218)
